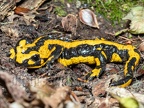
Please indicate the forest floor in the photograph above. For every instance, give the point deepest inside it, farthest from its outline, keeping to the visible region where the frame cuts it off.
(59, 86)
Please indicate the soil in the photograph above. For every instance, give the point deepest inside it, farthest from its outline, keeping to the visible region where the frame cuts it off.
(16, 82)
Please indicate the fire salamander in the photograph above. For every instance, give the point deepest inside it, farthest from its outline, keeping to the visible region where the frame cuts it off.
(45, 50)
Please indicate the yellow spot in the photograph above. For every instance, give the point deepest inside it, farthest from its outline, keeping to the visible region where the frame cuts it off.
(31, 62)
(98, 63)
(132, 67)
(116, 58)
(104, 54)
(99, 49)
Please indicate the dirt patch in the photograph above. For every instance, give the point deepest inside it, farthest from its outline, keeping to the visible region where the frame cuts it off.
(65, 83)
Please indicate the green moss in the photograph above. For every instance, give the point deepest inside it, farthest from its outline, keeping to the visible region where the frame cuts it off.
(70, 1)
(60, 11)
(114, 10)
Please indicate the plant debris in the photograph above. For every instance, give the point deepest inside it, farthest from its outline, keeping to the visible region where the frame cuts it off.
(58, 86)
(87, 17)
(136, 16)
(5, 7)
(69, 23)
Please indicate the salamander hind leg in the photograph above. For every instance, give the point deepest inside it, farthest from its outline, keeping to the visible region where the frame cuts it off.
(123, 82)
(128, 73)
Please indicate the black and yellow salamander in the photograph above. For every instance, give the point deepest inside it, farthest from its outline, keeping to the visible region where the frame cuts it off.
(45, 50)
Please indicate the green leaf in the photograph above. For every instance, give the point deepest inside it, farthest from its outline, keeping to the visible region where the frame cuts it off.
(136, 15)
(137, 25)
(135, 12)
(129, 102)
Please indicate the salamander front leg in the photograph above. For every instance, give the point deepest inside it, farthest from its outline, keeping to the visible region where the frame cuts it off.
(97, 72)
(100, 67)
(53, 54)
(128, 72)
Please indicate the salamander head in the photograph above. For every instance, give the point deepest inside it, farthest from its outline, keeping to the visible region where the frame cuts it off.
(28, 54)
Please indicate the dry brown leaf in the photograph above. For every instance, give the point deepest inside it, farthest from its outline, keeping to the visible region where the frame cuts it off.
(10, 30)
(51, 96)
(99, 88)
(3, 102)
(87, 17)
(5, 7)
(20, 10)
(111, 68)
(32, 4)
(14, 87)
(41, 87)
(58, 97)
(28, 10)
(140, 72)
(28, 18)
(69, 23)
(107, 102)
(122, 92)
(141, 46)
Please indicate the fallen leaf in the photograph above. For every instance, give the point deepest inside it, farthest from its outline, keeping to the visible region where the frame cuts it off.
(50, 96)
(99, 88)
(141, 46)
(20, 10)
(32, 4)
(137, 25)
(69, 23)
(13, 86)
(41, 87)
(3, 102)
(28, 18)
(140, 71)
(87, 17)
(136, 16)
(10, 30)
(122, 92)
(129, 102)
(135, 12)
(126, 102)
(5, 7)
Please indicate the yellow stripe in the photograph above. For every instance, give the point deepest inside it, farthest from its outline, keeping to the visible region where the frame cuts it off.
(76, 60)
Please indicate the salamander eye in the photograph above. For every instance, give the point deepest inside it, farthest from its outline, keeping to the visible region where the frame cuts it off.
(35, 58)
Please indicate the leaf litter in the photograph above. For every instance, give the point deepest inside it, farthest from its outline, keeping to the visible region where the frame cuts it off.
(56, 87)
